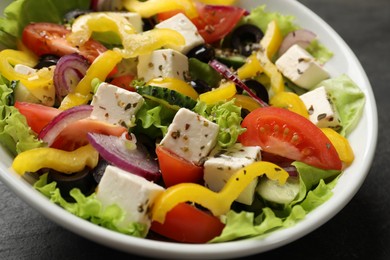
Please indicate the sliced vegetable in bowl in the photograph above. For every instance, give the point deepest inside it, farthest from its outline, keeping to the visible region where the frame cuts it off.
(157, 124)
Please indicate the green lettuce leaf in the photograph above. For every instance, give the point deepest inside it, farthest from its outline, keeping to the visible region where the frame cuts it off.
(348, 99)
(309, 177)
(153, 119)
(319, 51)
(15, 134)
(90, 208)
(228, 116)
(261, 18)
(21, 12)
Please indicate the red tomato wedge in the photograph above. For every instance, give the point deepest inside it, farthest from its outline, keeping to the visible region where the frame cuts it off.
(74, 135)
(124, 82)
(175, 169)
(285, 133)
(49, 38)
(214, 21)
(38, 116)
(187, 224)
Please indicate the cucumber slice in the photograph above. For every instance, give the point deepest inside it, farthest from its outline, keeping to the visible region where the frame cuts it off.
(282, 194)
(235, 61)
(166, 97)
(21, 93)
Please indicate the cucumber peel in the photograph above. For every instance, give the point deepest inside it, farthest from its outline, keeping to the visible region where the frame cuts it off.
(167, 97)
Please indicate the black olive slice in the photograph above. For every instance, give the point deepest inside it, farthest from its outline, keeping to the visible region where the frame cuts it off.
(200, 86)
(203, 52)
(246, 38)
(259, 89)
(83, 180)
(46, 60)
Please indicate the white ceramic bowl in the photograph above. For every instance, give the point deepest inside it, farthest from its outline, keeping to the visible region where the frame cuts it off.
(363, 141)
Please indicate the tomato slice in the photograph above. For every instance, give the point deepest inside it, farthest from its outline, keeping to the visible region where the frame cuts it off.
(187, 224)
(175, 169)
(124, 82)
(288, 134)
(214, 21)
(75, 134)
(49, 38)
(38, 116)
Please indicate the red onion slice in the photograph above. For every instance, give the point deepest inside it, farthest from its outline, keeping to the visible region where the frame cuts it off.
(115, 151)
(225, 72)
(70, 69)
(106, 5)
(302, 37)
(50, 132)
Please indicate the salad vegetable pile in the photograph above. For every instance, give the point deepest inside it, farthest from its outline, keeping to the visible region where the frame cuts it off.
(190, 121)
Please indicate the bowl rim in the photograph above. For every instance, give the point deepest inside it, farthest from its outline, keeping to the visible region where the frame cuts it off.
(240, 248)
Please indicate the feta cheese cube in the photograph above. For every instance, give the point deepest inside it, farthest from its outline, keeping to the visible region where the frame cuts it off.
(132, 193)
(23, 69)
(134, 19)
(191, 136)
(165, 63)
(115, 105)
(321, 110)
(301, 67)
(223, 163)
(185, 27)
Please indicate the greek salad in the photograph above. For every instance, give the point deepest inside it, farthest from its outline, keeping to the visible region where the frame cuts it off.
(192, 121)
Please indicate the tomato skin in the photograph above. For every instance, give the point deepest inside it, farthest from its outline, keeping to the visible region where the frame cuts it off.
(38, 116)
(123, 82)
(214, 21)
(74, 135)
(48, 38)
(175, 169)
(168, 14)
(187, 224)
(285, 133)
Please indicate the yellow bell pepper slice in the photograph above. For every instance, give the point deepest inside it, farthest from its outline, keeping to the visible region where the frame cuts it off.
(39, 84)
(145, 42)
(251, 68)
(218, 2)
(276, 78)
(290, 101)
(341, 144)
(100, 69)
(272, 39)
(218, 203)
(152, 7)
(269, 46)
(246, 102)
(21, 47)
(224, 92)
(59, 160)
(85, 25)
(175, 84)
(134, 44)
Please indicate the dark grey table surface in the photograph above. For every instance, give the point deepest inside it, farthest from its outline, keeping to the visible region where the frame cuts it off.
(360, 231)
